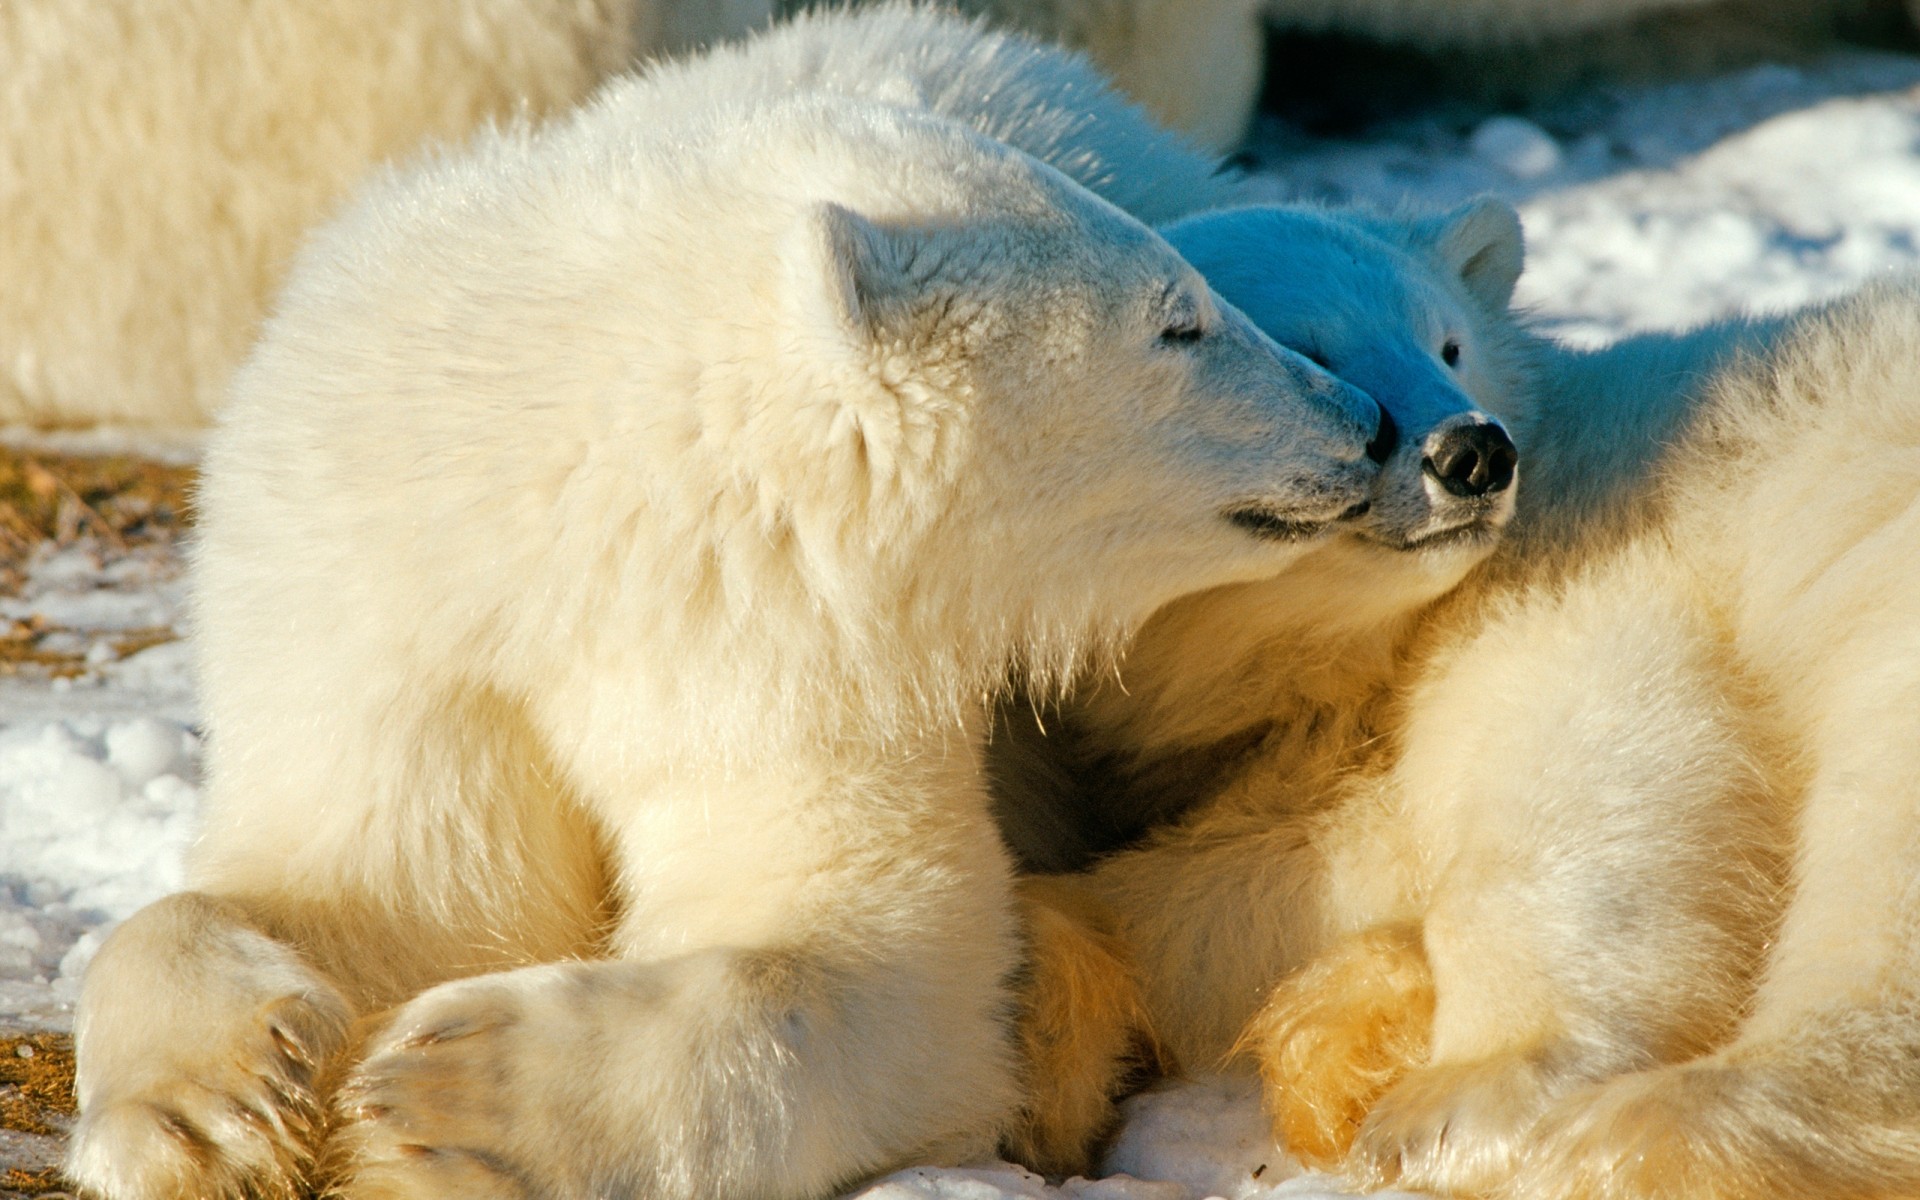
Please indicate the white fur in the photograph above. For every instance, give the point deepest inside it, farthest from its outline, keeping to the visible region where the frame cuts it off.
(1581, 774)
(601, 564)
(162, 162)
(166, 164)
(1666, 808)
(1292, 678)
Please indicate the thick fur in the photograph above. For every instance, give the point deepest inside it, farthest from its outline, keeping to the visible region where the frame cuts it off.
(1608, 773)
(167, 160)
(1195, 64)
(1085, 1034)
(1642, 782)
(163, 160)
(1381, 751)
(602, 561)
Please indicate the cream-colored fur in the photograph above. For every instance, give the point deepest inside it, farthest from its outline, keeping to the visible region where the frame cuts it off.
(1195, 64)
(160, 161)
(601, 564)
(1664, 807)
(1262, 699)
(1640, 781)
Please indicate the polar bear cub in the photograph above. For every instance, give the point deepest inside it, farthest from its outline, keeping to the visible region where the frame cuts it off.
(602, 560)
(1650, 832)
(1593, 873)
(1232, 729)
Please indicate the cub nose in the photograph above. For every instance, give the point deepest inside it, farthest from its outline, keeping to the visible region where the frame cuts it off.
(1471, 459)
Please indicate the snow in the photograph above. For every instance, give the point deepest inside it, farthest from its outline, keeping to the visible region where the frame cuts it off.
(1646, 208)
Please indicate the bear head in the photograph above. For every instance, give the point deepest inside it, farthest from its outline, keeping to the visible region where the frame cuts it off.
(1415, 312)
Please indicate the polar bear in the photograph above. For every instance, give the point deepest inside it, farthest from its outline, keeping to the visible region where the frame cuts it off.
(1256, 702)
(166, 167)
(1640, 867)
(161, 163)
(1591, 874)
(602, 560)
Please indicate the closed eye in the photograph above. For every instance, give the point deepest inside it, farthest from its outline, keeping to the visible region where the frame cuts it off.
(1182, 333)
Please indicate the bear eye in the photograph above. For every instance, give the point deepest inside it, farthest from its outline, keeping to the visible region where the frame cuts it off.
(1450, 353)
(1182, 331)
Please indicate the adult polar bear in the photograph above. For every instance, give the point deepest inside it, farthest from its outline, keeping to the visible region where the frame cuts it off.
(593, 624)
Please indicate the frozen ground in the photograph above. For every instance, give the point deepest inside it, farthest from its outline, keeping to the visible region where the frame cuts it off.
(1646, 208)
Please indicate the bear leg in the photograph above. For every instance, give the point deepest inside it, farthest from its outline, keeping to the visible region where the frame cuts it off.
(1085, 1034)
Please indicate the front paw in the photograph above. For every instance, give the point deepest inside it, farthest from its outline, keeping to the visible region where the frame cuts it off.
(447, 1101)
(1336, 1034)
(1455, 1129)
(220, 1122)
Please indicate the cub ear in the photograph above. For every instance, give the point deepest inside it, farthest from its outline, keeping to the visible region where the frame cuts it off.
(1481, 241)
(868, 270)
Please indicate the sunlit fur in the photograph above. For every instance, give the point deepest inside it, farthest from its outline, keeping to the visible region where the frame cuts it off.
(1336, 1034)
(1085, 1034)
(601, 565)
(1195, 64)
(1657, 805)
(163, 160)
(1346, 756)
(1643, 781)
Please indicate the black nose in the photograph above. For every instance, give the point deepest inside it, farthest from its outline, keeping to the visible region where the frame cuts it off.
(1471, 459)
(1384, 439)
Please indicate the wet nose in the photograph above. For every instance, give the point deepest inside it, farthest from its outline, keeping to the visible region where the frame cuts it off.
(1471, 459)
(1385, 439)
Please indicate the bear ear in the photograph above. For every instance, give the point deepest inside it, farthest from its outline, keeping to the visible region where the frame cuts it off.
(867, 285)
(1482, 241)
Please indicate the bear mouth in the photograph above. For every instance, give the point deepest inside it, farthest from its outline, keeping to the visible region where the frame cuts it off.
(1468, 534)
(1263, 522)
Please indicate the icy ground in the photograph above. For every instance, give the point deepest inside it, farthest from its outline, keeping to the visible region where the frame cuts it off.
(1646, 208)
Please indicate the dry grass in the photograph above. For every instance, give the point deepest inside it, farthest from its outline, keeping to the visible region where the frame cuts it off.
(36, 1082)
(115, 505)
(36, 1097)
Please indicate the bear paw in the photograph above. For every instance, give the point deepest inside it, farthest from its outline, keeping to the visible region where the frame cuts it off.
(438, 1105)
(1455, 1129)
(239, 1122)
(1335, 1035)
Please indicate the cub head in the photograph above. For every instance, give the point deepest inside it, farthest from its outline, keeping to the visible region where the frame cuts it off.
(1414, 312)
(1043, 422)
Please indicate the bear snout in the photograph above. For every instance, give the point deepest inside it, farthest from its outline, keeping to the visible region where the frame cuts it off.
(1470, 457)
